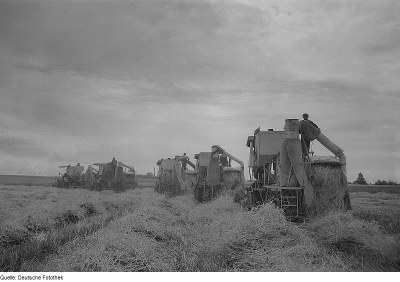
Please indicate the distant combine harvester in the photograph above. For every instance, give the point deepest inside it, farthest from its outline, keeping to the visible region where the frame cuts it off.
(114, 176)
(172, 174)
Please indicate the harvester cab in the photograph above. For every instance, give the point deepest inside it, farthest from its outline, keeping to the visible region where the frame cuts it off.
(71, 178)
(215, 174)
(172, 175)
(114, 176)
(284, 173)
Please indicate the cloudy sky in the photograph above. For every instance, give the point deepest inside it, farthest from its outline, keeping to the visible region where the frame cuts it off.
(141, 80)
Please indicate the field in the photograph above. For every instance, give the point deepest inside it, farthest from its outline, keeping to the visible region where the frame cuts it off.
(52, 229)
(26, 180)
(392, 189)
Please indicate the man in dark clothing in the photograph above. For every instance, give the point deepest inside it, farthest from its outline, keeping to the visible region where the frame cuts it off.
(114, 165)
(183, 163)
(305, 117)
(304, 140)
(114, 161)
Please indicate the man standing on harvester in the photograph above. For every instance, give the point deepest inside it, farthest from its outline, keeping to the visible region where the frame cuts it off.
(183, 163)
(114, 165)
(305, 142)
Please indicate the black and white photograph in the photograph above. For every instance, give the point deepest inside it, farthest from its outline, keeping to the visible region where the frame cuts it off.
(199, 136)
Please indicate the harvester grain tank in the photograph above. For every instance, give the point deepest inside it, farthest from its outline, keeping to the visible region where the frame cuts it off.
(172, 175)
(215, 174)
(114, 175)
(283, 172)
(71, 178)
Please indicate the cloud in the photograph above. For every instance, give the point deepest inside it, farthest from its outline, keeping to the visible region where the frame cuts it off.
(21, 147)
(141, 80)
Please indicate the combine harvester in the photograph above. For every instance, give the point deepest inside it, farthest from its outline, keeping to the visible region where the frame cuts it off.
(173, 178)
(109, 176)
(214, 173)
(114, 175)
(72, 178)
(283, 172)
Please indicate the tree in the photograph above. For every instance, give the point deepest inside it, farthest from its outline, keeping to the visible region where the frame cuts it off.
(360, 179)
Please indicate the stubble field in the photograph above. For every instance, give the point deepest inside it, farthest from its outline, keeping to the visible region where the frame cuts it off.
(52, 229)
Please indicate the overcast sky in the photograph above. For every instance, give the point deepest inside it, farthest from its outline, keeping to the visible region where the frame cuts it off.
(144, 80)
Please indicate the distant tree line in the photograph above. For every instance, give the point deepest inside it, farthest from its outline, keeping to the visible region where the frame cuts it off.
(384, 182)
(361, 180)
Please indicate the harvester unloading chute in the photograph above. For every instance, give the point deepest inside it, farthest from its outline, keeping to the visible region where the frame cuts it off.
(310, 133)
(217, 149)
(129, 167)
(185, 160)
(232, 177)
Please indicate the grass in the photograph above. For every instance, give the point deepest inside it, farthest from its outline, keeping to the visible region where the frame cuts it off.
(363, 245)
(383, 208)
(177, 235)
(50, 229)
(35, 221)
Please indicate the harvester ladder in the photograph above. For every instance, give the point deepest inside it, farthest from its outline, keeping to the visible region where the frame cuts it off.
(288, 199)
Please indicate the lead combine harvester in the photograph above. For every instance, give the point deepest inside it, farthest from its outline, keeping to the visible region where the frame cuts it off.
(283, 172)
(114, 175)
(172, 176)
(215, 174)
